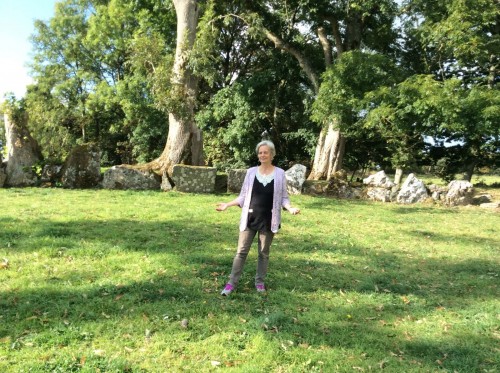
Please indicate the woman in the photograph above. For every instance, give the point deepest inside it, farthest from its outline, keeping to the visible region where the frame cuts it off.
(262, 196)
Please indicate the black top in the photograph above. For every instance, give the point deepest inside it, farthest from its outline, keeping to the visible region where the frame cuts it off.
(261, 205)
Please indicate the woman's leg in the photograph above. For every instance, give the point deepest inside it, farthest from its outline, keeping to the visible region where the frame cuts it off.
(265, 240)
(244, 243)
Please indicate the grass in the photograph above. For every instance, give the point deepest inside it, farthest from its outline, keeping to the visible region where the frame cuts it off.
(102, 280)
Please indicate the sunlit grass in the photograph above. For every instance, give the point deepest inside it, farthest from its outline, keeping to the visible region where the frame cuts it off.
(101, 280)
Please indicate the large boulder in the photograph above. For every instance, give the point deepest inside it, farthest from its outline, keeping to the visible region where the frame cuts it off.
(460, 193)
(194, 179)
(378, 194)
(23, 152)
(235, 180)
(378, 180)
(82, 167)
(378, 187)
(413, 190)
(295, 177)
(121, 177)
(51, 173)
(3, 175)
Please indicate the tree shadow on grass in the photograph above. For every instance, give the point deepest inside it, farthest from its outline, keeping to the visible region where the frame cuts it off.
(59, 311)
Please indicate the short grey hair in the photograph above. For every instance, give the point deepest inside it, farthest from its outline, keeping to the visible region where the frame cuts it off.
(267, 143)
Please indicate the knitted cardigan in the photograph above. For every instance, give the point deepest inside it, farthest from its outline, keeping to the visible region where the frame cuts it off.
(280, 197)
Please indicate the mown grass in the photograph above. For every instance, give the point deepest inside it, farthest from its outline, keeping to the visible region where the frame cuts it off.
(104, 281)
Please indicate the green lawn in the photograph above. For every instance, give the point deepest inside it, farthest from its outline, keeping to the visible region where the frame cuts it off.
(97, 280)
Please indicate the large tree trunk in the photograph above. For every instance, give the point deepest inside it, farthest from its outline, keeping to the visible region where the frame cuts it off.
(184, 141)
(329, 154)
(331, 144)
(23, 151)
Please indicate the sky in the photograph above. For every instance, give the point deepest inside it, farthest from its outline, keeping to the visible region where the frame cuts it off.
(16, 26)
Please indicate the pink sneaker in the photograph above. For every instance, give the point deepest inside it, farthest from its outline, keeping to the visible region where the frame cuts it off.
(260, 288)
(227, 290)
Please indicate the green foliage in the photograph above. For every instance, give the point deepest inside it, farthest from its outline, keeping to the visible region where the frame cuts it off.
(86, 86)
(345, 85)
(89, 289)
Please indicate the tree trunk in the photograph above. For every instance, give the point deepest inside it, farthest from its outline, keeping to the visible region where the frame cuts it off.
(184, 141)
(331, 144)
(469, 171)
(397, 176)
(329, 154)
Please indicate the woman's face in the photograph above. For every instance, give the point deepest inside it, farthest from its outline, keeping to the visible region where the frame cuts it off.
(264, 154)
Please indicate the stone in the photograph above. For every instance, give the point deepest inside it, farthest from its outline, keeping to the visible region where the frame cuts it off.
(340, 188)
(23, 153)
(412, 191)
(122, 177)
(379, 194)
(437, 192)
(221, 183)
(379, 180)
(482, 198)
(295, 177)
(315, 187)
(491, 205)
(235, 180)
(166, 183)
(50, 173)
(82, 167)
(194, 179)
(460, 193)
(3, 176)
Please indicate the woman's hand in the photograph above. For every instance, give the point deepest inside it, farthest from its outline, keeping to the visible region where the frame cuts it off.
(294, 210)
(221, 206)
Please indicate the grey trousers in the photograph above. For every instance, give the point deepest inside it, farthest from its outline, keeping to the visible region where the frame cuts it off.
(244, 244)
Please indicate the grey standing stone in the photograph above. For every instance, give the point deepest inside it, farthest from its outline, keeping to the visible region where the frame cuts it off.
(51, 173)
(120, 177)
(379, 194)
(460, 193)
(295, 178)
(379, 180)
(82, 167)
(412, 191)
(194, 179)
(3, 175)
(235, 180)
(23, 152)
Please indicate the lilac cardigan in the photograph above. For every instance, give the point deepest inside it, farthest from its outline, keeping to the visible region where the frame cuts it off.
(280, 198)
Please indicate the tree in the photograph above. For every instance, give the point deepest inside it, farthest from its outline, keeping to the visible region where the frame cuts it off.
(458, 43)
(346, 93)
(251, 89)
(86, 87)
(184, 141)
(317, 32)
